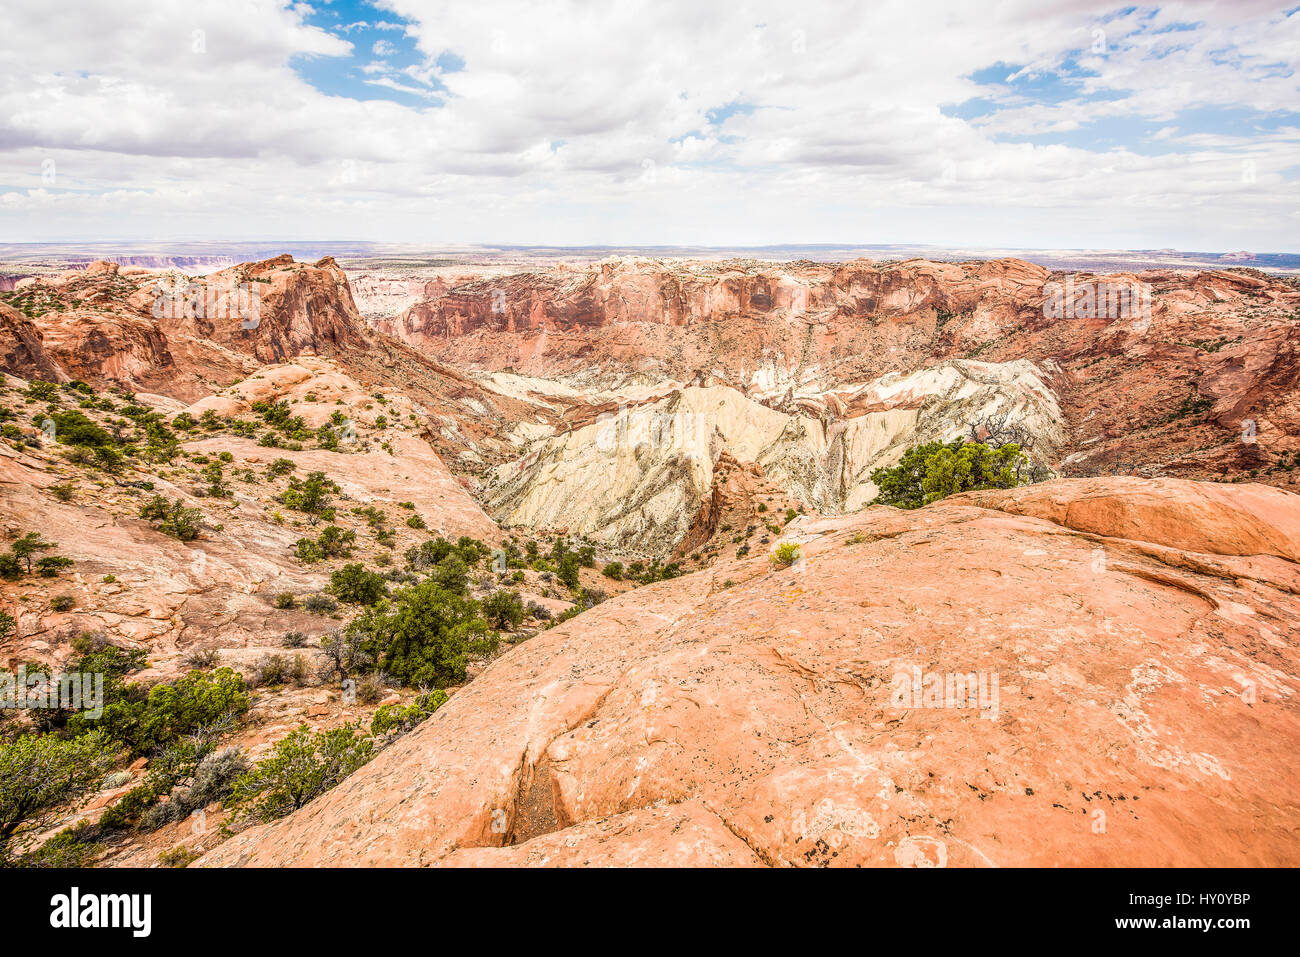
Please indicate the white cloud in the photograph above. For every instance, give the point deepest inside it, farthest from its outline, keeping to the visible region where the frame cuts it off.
(588, 123)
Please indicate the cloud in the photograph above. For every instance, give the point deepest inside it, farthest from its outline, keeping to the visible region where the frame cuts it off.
(654, 122)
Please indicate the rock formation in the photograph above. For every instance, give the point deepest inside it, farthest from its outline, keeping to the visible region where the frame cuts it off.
(1108, 693)
(1099, 669)
(1165, 381)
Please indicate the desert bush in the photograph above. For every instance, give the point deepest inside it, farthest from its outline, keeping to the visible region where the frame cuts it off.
(74, 846)
(213, 779)
(320, 604)
(372, 688)
(930, 472)
(173, 518)
(345, 654)
(568, 573)
(50, 565)
(302, 767)
(42, 775)
(144, 721)
(269, 670)
(129, 809)
(311, 495)
(784, 555)
(402, 718)
(74, 428)
(27, 546)
(504, 609)
(201, 658)
(424, 635)
(356, 585)
(308, 551)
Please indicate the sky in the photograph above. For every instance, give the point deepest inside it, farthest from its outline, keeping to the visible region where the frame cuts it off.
(1039, 125)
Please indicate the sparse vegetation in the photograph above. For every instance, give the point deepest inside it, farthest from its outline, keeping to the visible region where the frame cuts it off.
(397, 719)
(785, 554)
(174, 518)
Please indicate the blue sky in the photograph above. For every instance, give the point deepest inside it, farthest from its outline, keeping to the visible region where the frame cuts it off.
(384, 63)
(565, 122)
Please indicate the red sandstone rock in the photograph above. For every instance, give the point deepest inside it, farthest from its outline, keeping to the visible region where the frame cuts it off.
(1144, 713)
(22, 349)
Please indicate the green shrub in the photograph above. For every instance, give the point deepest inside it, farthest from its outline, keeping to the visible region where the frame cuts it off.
(72, 847)
(311, 495)
(174, 518)
(11, 569)
(403, 718)
(320, 604)
(785, 554)
(127, 812)
(42, 391)
(930, 472)
(145, 720)
(51, 565)
(614, 570)
(110, 460)
(40, 777)
(425, 635)
(26, 547)
(356, 585)
(504, 609)
(308, 551)
(569, 568)
(302, 767)
(74, 428)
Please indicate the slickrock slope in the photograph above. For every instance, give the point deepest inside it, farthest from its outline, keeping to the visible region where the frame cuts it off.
(1169, 390)
(1144, 714)
(219, 590)
(636, 477)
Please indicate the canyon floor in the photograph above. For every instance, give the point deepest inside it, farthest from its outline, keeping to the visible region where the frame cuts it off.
(745, 659)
